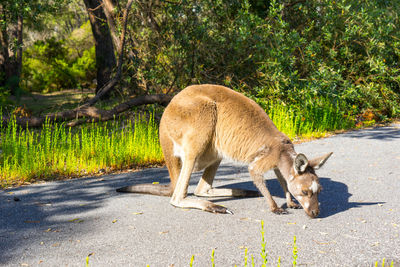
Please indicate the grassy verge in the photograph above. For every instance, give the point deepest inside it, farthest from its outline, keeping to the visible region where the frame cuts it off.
(310, 121)
(59, 151)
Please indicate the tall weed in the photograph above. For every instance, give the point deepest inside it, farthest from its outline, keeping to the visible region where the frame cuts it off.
(57, 150)
(310, 120)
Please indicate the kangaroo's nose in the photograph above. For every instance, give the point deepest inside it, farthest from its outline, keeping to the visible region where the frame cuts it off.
(314, 213)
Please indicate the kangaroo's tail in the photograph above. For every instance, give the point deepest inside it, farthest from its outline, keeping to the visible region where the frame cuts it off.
(152, 189)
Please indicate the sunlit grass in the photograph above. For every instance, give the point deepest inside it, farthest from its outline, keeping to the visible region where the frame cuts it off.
(60, 151)
(308, 121)
(57, 150)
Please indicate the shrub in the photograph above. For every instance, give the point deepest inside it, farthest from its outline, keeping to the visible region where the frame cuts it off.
(346, 51)
(52, 65)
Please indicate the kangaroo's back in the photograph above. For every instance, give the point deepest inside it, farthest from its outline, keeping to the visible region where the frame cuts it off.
(241, 126)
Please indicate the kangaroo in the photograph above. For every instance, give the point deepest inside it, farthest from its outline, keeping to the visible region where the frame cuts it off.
(204, 124)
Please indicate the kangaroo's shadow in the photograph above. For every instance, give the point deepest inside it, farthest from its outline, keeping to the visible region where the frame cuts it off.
(334, 198)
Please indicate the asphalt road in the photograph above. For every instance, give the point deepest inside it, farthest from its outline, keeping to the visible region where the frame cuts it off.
(61, 223)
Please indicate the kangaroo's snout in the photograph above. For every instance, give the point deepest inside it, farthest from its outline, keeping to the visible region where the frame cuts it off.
(313, 213)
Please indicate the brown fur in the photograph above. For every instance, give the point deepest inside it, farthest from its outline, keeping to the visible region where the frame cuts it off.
(204, 124)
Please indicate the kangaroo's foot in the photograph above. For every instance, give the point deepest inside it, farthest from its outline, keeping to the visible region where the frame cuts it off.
(201, 204)
(278, 210)
(293, 205)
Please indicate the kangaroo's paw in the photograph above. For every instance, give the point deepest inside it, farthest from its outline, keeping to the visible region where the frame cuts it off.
(279, 211)
(201, 204)
(293, 205)
(218, 209)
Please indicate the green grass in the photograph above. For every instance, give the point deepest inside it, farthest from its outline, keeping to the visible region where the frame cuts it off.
(59, 151)
(308, 121)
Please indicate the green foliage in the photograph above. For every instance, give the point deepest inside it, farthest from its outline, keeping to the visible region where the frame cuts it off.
(4, 94)
(52, 64)
(313, 119)
(338, 51)
(63, 152)
(344, 52)
(59, 151)
(32, 10)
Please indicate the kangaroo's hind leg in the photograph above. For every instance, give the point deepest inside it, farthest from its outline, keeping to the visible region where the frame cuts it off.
(173, 163)
(190, 127)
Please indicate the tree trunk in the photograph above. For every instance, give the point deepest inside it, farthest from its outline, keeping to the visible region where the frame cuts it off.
(10, 53)
(109, 11)
(18, 56)
(4, 57)
(105, 57)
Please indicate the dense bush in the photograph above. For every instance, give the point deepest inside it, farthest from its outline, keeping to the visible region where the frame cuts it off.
(52, 64)
(297, 53)
(301, 53)
(3, 96)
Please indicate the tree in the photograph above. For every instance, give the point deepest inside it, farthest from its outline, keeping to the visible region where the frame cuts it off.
(87, 110)
(105, 58)
(13, 15)
(10, 46)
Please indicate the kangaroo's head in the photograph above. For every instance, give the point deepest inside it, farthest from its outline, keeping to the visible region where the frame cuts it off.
(303, 182)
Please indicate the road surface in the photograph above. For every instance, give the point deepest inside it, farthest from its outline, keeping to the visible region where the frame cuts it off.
(61, 223)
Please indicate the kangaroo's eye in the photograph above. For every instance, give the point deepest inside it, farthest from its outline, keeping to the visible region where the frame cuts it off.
(304, 193)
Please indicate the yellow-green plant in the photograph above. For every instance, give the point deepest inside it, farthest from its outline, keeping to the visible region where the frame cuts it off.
(57, 150)
(263, 253)
(295, 251)
(308, 120)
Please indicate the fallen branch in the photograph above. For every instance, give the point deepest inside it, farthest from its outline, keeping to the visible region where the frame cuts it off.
(90, 112)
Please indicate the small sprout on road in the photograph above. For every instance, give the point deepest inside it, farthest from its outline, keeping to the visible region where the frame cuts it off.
(191, 261)
(76, 220)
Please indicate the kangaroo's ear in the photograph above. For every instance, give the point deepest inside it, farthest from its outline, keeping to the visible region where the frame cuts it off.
(320, 161)
(300, 163)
